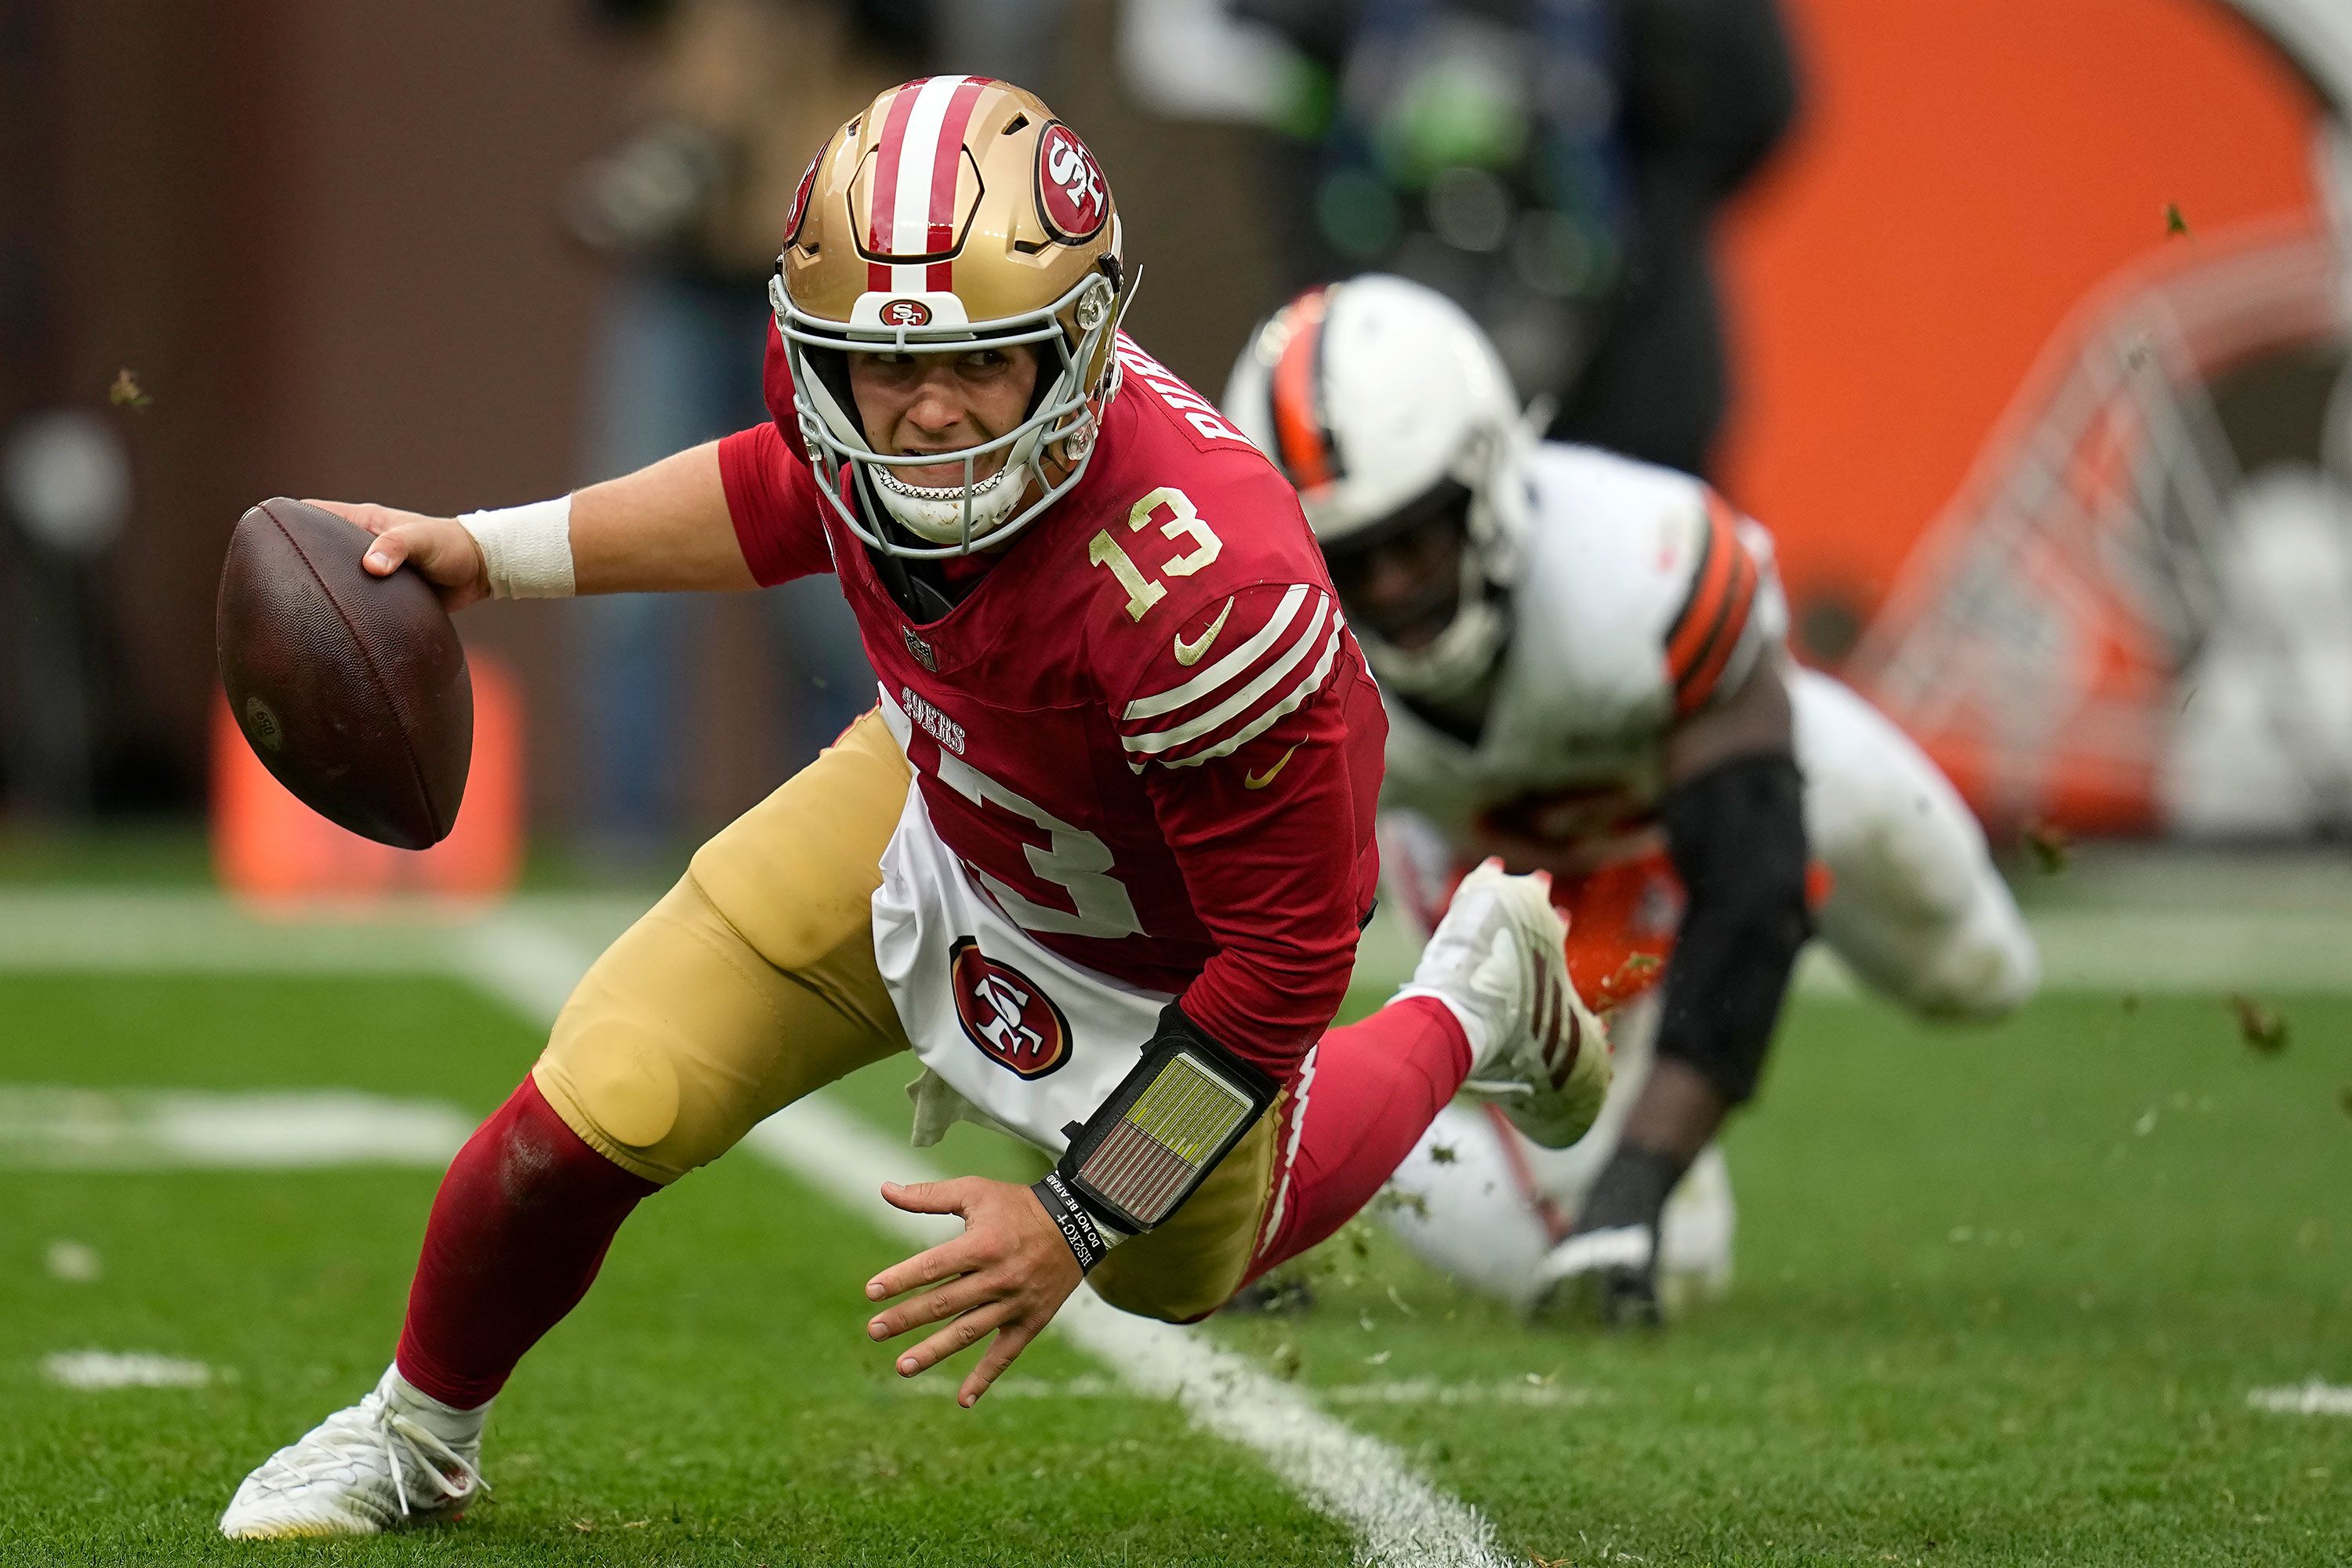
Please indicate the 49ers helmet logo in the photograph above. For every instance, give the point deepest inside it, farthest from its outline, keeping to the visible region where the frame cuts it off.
(1006, 1013)
(905, 313)
(801, 197)
(1071, 191)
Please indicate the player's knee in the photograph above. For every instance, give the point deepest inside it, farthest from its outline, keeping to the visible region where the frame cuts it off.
(614, 1078)
(1988, 968)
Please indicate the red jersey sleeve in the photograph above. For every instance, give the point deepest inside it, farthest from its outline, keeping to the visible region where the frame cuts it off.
(771, 494)
(774, 501)
(1261, 752)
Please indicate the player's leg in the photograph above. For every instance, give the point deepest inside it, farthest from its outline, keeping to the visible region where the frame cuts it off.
(751, 983)
(1915, 908)
(1490, 997)
(1470, 1203)
(1477, 1200)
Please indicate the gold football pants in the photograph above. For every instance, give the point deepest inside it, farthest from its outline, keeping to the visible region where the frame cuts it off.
(752, 982)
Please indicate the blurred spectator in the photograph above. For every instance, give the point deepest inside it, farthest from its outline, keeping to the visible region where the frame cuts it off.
(65, 495)
(737, 96)
(1554, 164)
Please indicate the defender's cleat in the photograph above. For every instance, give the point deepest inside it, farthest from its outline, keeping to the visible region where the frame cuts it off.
(372, 1468)
(1608, 1276)
(1538, 1053)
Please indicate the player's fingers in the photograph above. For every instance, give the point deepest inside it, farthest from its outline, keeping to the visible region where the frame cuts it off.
(956, 1295)
(961, 1335)
(928, 1197)
(385, 555)
(945, 1261)
(1011, 1341)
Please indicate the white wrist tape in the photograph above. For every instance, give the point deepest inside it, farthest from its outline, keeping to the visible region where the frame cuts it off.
(525, 550)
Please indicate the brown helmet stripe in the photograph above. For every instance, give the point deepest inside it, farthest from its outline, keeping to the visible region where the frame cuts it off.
(1299, 431)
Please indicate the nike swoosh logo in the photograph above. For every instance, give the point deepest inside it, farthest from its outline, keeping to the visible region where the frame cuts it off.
(1259, 780)
(1188, 654)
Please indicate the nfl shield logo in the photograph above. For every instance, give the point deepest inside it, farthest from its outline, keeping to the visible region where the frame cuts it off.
(921, 649)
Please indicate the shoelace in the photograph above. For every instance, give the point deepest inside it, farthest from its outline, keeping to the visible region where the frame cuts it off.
(430, 1452)
(393, 1432)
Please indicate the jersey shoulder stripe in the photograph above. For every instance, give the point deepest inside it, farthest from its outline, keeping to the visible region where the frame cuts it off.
(1707, 628)
(1217, 711)
(1220, 674)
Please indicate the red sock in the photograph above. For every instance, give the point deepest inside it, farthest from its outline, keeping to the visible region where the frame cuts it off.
(518, 1232)
(1370, 1091)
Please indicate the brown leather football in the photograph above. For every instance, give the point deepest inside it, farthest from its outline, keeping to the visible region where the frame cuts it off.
(351, 690)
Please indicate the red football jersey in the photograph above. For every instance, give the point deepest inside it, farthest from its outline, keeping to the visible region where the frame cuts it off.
(1146, 731)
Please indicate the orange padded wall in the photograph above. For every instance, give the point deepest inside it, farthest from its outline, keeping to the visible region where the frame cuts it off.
(1965, 173)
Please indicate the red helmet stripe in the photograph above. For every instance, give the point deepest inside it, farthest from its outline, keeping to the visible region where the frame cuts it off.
(881, 234)
(946, 167)
(1298, 428)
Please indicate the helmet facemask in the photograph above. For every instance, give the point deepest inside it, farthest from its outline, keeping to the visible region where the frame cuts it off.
(1075, 381)
(1452, 666)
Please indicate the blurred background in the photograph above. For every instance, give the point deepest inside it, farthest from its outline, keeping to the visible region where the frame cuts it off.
(2022, 325)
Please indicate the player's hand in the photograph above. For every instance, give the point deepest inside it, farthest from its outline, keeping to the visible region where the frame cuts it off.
(440, 549)
(1009, 1272)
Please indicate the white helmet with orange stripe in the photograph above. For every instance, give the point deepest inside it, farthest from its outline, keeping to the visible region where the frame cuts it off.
(954, 210)
(1388, 407)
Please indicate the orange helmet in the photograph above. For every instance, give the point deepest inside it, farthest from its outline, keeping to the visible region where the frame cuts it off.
(954, 210)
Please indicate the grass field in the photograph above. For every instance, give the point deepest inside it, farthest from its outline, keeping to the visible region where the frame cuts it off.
(2003, 1299)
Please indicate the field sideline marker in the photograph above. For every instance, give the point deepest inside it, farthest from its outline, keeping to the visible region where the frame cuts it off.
(1357, 1480)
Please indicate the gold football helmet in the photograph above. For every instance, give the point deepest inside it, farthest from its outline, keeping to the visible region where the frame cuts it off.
(954, 210)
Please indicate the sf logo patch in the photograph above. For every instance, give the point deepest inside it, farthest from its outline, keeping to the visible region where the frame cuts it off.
(1004, 1012)
(1071, 191)
(905, 313)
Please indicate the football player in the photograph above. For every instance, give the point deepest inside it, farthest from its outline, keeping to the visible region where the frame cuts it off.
(1098, 859)
(1584, 663)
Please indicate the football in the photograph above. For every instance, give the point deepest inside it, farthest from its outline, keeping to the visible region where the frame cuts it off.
(353, 689)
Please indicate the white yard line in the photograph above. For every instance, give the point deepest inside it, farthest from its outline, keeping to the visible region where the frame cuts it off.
(123, 1368)
(1357, 1480)
(1517, 1393)
(54, 1127)
(2313, 1398)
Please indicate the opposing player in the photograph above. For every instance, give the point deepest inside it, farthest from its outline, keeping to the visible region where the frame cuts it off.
(1585, 673)
(1099, 859)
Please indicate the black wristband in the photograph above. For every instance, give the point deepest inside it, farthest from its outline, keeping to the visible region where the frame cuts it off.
(1088, 1244)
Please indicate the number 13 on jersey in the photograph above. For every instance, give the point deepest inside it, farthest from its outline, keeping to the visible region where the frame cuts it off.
(1184, 525)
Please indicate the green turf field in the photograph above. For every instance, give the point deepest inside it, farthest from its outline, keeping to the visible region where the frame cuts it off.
(2002, 1298)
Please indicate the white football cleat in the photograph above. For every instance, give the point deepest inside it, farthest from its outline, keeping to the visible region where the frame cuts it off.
(376, 1466)
(1635, 1274)
(1499, 958)
(1610, 1275)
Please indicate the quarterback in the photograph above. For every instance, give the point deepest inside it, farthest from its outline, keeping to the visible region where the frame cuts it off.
(1098, 859)
(1583, 662)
